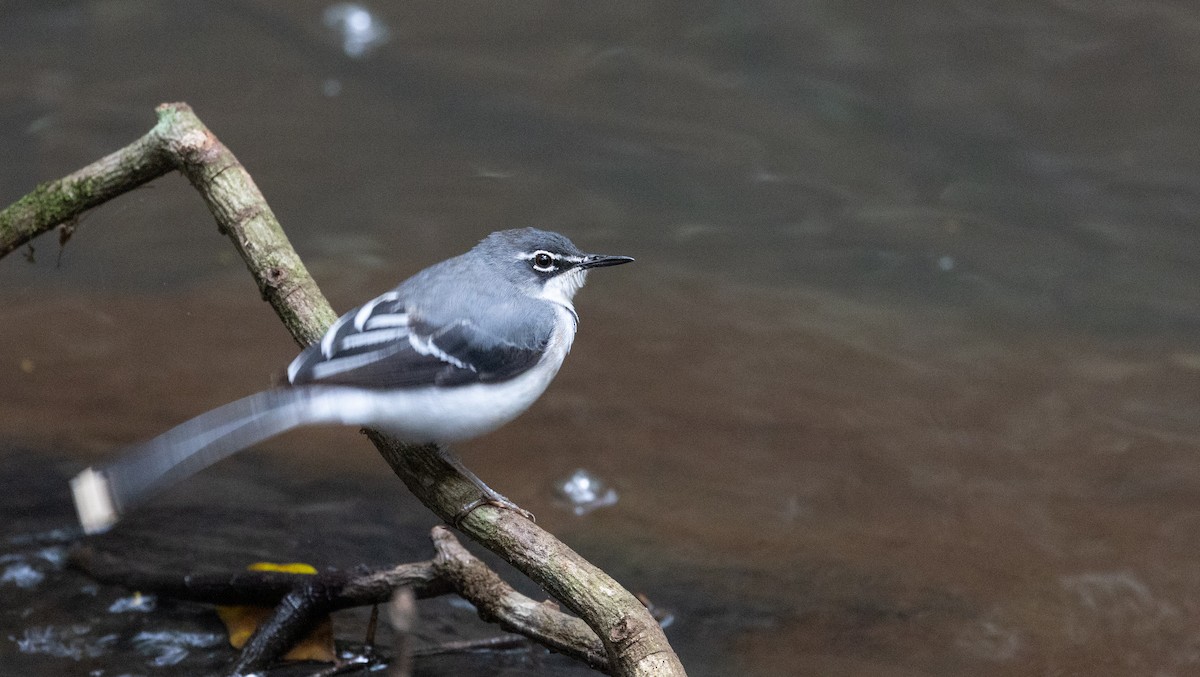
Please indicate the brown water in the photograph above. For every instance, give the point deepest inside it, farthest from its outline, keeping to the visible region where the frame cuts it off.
(904, 381)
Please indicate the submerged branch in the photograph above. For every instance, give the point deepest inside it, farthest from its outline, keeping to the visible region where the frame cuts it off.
(301, 600)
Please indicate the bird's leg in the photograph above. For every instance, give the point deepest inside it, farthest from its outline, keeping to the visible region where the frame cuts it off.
(489, 496)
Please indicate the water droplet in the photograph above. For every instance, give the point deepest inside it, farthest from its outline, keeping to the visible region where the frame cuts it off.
(584, 492)
(359, 31)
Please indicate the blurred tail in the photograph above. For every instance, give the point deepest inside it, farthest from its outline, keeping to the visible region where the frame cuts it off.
(103, 494)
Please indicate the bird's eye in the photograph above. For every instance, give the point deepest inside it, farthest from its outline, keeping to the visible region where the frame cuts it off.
(543, 262)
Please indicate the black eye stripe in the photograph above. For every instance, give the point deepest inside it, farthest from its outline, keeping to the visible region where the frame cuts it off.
(547, 262)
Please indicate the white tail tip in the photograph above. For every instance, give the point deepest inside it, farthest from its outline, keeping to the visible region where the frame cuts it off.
(93, 501)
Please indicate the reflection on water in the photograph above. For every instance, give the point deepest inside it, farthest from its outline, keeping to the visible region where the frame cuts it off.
(904, 380)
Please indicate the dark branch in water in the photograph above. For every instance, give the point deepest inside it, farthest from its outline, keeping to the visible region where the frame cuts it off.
(301, 600)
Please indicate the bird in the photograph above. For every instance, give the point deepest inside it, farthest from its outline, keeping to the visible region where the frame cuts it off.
(452, 353)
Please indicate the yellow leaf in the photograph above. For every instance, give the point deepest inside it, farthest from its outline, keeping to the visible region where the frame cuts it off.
(241, 621)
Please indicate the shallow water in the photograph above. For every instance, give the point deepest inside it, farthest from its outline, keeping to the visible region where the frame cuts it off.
(904, 381)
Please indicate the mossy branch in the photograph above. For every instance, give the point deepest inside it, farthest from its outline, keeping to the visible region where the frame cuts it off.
(181, 142)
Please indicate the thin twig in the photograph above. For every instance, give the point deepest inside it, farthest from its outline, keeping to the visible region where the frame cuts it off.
(495, 643)
(402, 616)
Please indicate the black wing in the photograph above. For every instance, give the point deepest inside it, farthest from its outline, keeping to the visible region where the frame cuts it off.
(384, 345)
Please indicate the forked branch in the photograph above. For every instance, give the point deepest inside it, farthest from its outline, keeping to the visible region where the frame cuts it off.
(632, 639)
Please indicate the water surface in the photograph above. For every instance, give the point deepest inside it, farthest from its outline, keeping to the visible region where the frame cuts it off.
(903, 382)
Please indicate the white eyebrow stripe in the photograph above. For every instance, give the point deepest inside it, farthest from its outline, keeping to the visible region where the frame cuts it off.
(526, 256)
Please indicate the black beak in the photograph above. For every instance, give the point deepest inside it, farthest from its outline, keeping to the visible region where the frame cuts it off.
(599, 261)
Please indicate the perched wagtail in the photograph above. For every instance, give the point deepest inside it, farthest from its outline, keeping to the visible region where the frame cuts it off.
(455, 351)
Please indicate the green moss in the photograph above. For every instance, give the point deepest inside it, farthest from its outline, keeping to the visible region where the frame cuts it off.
(58, 201)
(46, 206)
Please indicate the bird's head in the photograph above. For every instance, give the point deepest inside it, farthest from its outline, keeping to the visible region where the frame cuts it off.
(541, 263)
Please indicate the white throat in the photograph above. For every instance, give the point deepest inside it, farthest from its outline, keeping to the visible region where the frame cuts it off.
(561, 289)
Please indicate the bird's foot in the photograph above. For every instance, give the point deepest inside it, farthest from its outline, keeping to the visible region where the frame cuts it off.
(493, 499)
(488, 495)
